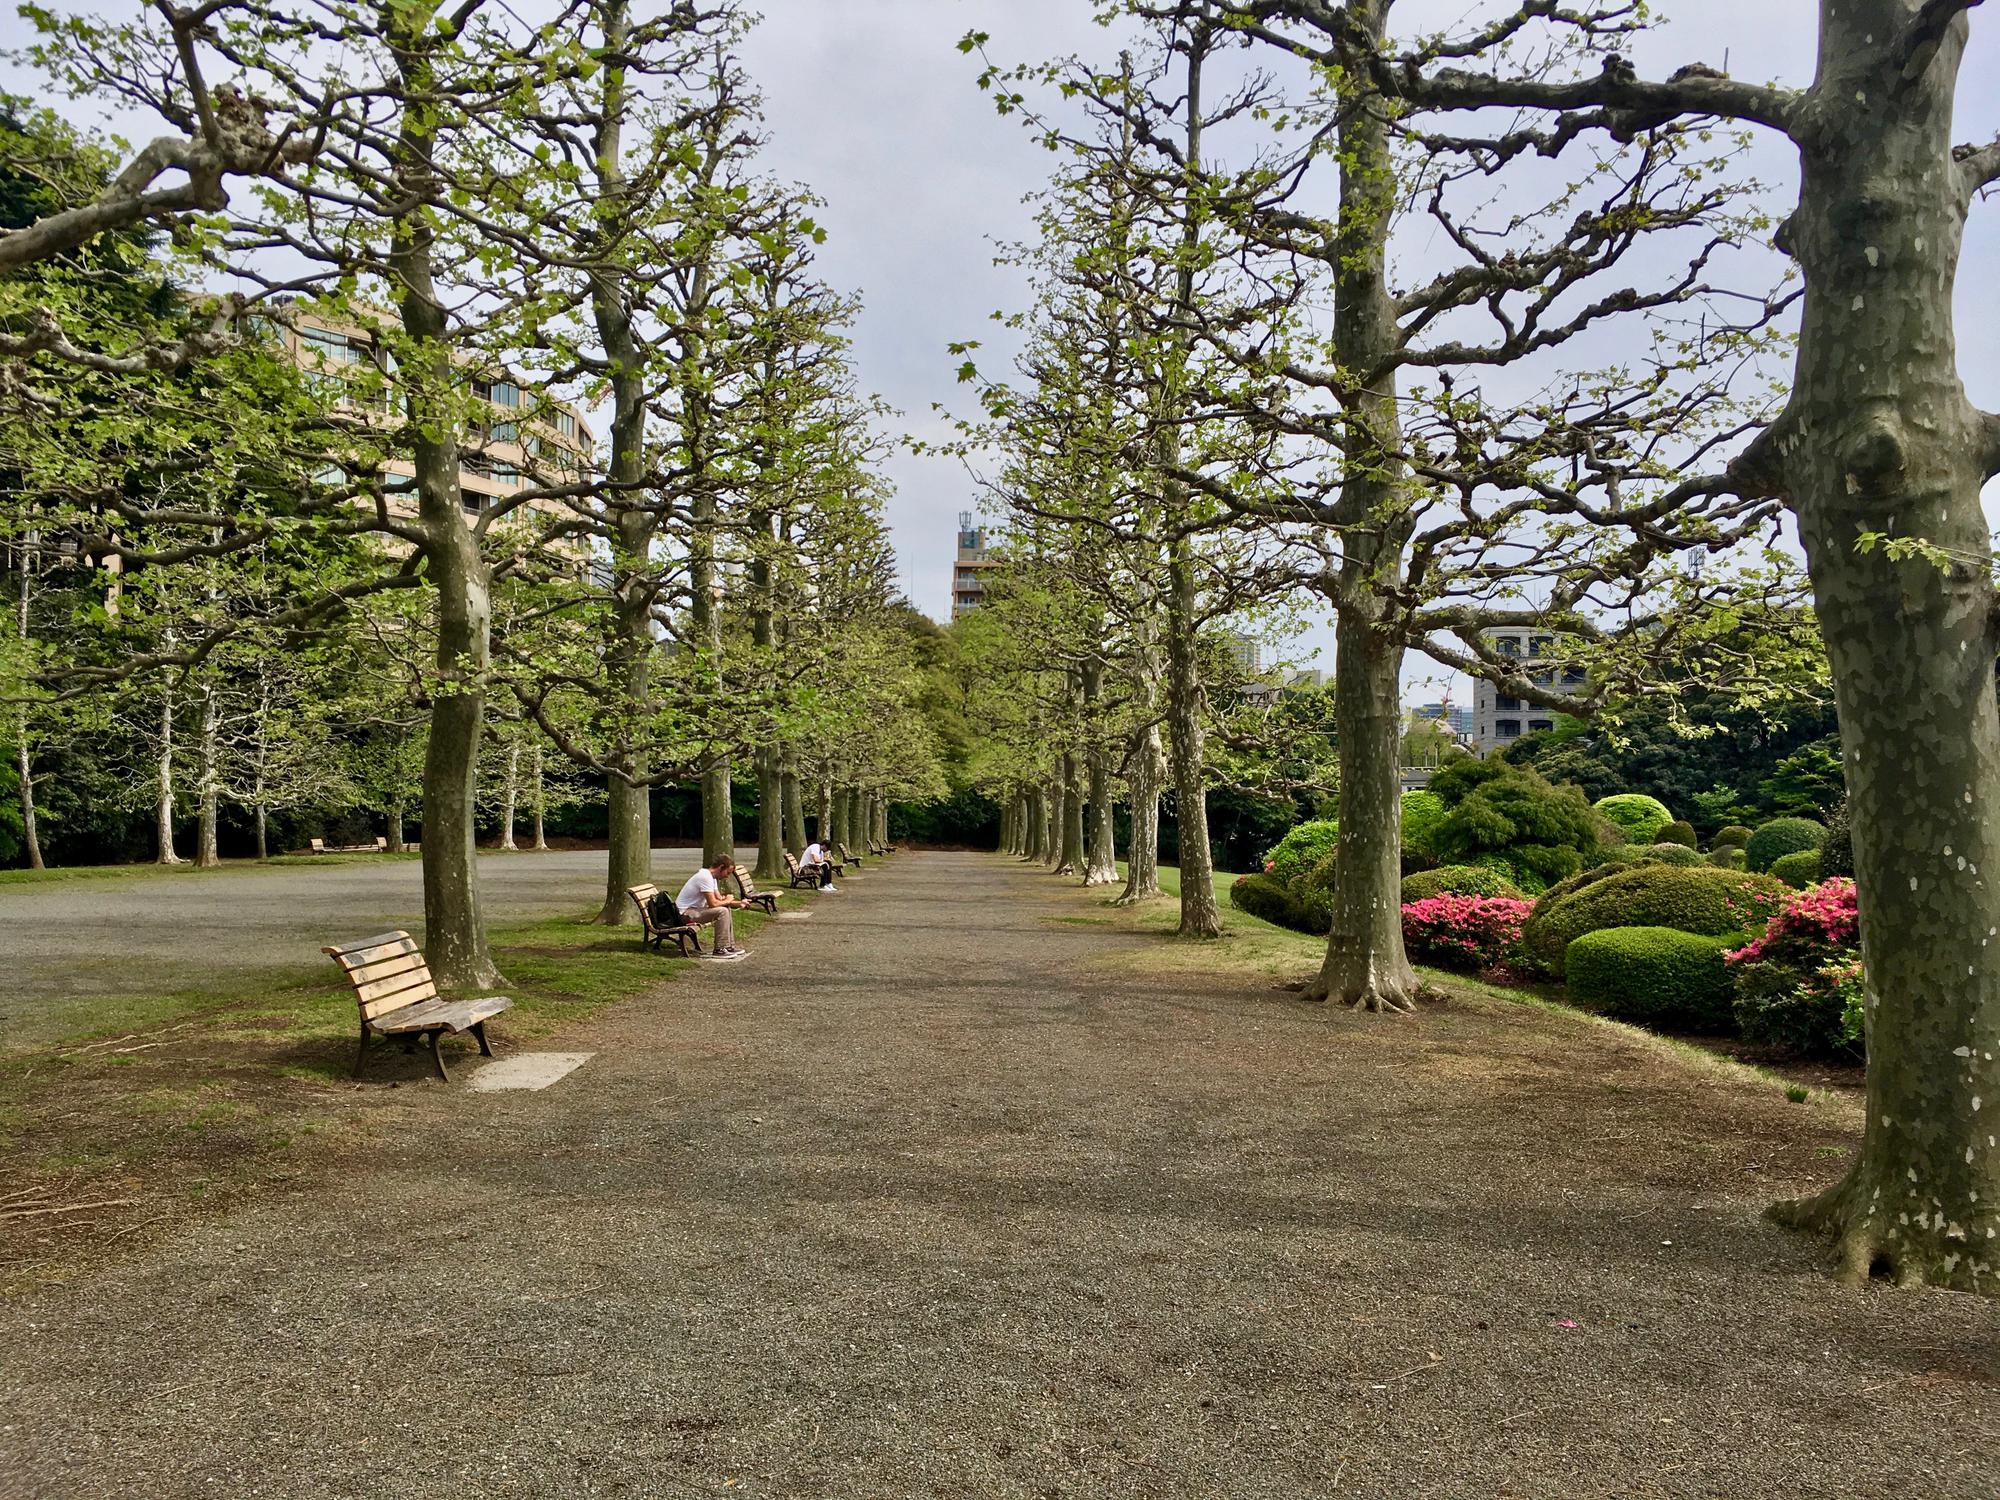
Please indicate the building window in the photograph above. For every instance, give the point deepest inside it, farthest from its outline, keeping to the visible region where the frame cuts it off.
(506, 473)
(1539, 726)
(504, 432)
(499, 392)
(473, 500)
(1507, 729)
(1508, 703)
(566, 424)
(1572, 676)
(332, 348)
(1507, 646)
(1545, 679)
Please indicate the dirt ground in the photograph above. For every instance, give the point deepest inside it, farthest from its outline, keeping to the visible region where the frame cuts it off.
(957, 1190)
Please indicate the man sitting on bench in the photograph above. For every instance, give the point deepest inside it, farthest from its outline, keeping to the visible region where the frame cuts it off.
(815, 861)
(701, 901)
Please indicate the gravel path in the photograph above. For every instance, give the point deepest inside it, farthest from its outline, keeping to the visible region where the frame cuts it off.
(938, 1196)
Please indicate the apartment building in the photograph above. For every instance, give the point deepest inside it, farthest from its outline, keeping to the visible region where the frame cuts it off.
(969, 568)
(1498, 717)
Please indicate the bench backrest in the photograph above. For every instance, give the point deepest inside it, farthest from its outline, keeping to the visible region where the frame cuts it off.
(744, 888)
(642, 896)
(318, 846)
(387, 971)
(791, 862)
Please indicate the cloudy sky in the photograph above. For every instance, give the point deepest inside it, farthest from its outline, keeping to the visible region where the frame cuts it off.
(871, 104)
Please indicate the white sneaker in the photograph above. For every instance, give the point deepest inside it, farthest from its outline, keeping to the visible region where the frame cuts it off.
(726, 958)
(832, 889)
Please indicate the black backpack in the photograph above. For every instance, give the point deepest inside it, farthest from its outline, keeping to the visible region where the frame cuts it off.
(664, 912)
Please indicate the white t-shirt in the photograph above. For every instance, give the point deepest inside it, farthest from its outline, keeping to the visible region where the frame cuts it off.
(814, 855)
(695, 893)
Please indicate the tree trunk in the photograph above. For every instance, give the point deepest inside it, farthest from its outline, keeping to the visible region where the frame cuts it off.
(1142, 858)
(509, 798)
(795, 811)
(208, 782)
(1072, 862)
(396, 823)
(24, 770)
(770, 817)
(1187, 740)
(882, 819)
(163, 799)
(1037, 840)
(1879, 437)
(541, 803)
(857, 820)
(1100, 862)
(261, 816)
(823, 820)
(1365, 964)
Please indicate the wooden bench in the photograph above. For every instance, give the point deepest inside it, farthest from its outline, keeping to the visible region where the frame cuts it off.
(885, 849)
(801, 876)
(681, 931)
(847, 854)
(380, 846)
(393, 987)
(762, 900)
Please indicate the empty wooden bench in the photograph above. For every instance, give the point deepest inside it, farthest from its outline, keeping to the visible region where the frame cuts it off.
(679, 931)
(847, 854)
(747, 889)
(393, 987)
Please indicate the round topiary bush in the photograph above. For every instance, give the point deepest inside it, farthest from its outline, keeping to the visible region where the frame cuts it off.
(1639, 817)
(1726, 856)
(1655, 976)
(1677, 832)
(1797, 870)
(1779, 837)
(1672, 854)
(1700, 899)
(1265, 897)
(1458, 880)
(1731, 834)
(1301, 849)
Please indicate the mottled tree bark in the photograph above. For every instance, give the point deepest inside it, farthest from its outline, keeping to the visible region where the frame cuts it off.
(795, 810)
(208, 781)
(1072, 861)
(1038, 823)
(541, 801)
(24, 760)
(510, 797)
(1879, 437)
(1187, 738)
(1100, 854)
(1142, 858)
(163, 768)
(823, 820)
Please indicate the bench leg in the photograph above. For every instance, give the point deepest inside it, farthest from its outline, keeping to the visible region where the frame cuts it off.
(479, 1030)
(437, 1057)
(361, 1052)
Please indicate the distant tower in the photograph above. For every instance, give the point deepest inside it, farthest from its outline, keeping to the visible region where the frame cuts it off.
(968, 585)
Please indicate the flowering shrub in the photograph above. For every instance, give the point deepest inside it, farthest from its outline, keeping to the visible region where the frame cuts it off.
(1464, 932)
(1800, 983)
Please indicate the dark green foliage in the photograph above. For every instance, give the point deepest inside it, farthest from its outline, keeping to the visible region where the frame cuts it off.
(1672, 854)
(1782, 836)
(1312, 896)
(1836, 855)
(1677, 832)
(965, 819)
(1270, 899)
(1807, 781)
(1655, 976)
(1423, 810)
(1458, 880)
(1638, 816)
(1459, 777)
(1699, 899)
(1727, 857)
(1733, 835)
(1302, 848)
(1797, 870)
(1544, 833)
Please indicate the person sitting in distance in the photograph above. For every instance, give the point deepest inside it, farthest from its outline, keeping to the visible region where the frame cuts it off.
(815, 862)
(701, 901)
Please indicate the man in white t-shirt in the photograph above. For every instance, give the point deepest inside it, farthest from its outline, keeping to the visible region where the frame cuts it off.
(701, 901)
(815, 862)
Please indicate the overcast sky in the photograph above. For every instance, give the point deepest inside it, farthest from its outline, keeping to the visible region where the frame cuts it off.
(871, 104)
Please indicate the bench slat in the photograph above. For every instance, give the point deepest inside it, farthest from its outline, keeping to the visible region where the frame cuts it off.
(394, 994)
(452, 1015)
(371, 950)
(385, 968)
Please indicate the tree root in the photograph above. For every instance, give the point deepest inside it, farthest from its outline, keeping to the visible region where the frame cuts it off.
(1864, 1248)
(1156, 894)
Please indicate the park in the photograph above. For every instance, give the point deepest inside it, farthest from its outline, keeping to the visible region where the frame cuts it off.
(1403, 905)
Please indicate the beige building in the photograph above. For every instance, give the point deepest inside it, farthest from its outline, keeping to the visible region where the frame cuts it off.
(1499, 718)
(968, 573)
(527, 439)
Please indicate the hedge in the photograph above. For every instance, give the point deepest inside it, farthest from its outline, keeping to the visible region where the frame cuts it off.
(1797, 870)
(1677, 832)
(1700, 899)
(1266, 897)
(1655, 976)
(1301, 849)
(1782, 836)
(1422, 812)
(1639, 817)
(1672, 854)
(1836, 855)
(1731, 834)
(1726, 856)
(1458, 880)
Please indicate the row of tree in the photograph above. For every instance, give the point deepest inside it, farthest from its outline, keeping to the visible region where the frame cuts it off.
(298, 511)
(1471, 329)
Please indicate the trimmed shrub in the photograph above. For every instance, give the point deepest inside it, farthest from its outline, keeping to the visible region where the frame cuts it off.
(1779, 837)
(1639, 817)
(1731, 834)
(1799, 984)
(1459, 880)
(1463, 932)
(1301, 849)
(1797, 870)
(1678, 832)
(1726, 856)
(1545, 833)
(1264, 896)
(1655, 976)
(1312, 898)
(1672, 854)
(1700, 899)
(1836, 855)
(1422, 812)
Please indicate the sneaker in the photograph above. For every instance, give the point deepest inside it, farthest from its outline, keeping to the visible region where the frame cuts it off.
(833, 889)
(732, 956)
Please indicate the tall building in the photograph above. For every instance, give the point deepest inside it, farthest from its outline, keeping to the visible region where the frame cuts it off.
(1497, 717)
(528, 438)
(1245, 654)
(1455, 717)
(968, 572)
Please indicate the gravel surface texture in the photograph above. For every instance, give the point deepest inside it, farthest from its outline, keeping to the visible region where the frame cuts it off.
(939, 1196)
